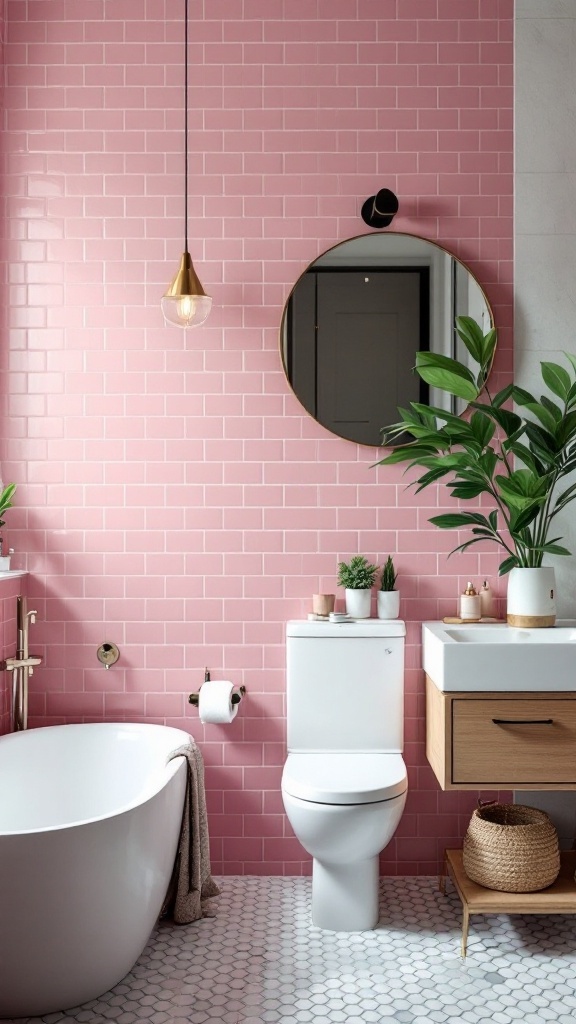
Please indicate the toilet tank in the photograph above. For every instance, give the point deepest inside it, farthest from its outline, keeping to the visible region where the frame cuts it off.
(345, 685)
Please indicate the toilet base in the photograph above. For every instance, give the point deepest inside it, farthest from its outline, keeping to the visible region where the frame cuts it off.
(345, 896)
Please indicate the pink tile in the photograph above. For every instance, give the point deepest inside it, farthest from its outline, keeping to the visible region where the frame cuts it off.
(225, 505)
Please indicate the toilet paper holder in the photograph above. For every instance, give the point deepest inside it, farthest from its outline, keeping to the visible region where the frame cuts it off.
(194, 698)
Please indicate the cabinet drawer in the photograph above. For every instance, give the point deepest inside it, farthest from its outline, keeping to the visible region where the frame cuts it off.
(513, 741)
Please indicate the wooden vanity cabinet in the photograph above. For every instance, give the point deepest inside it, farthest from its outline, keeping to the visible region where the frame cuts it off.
(501, 740)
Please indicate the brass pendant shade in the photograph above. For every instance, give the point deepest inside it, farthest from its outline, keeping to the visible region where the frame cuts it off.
(185, 302)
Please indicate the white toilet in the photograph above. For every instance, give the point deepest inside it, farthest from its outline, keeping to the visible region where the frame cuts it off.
(344, 782)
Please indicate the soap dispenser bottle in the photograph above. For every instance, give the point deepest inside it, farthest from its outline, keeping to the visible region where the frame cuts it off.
(487, 604)
(470, 610)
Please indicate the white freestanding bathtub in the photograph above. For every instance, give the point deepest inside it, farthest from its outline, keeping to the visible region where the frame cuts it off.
(89, 824)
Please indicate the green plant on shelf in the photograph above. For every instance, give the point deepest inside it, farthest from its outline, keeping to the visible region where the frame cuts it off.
(389, 575)
(357, 574)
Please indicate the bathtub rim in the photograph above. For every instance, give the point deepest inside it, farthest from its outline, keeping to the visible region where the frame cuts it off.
(160, 779)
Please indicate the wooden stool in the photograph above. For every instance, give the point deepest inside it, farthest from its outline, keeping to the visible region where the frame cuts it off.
(559, 898)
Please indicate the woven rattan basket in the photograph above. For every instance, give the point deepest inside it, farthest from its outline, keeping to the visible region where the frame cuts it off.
(511, 848)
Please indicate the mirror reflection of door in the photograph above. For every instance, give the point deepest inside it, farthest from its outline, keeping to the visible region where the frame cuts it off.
(331, 343)
(352, 335)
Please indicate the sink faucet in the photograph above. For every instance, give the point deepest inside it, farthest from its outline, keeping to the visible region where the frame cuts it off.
(22, 665)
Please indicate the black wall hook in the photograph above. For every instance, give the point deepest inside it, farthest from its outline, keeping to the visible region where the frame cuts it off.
(379, 211)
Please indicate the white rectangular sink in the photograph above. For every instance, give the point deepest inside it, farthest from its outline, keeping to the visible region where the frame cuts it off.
(500, 658)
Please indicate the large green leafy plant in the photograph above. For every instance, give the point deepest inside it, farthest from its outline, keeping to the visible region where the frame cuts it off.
(6, 501)
(517, 458)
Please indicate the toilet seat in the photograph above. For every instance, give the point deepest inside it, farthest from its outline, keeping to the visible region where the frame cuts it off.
(344, 778)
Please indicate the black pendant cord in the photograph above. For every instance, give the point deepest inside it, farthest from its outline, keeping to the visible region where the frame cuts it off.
(186, 125)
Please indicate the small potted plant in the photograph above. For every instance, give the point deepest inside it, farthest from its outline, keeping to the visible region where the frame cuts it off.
(5, 503)
(388, 596)
(357, 577)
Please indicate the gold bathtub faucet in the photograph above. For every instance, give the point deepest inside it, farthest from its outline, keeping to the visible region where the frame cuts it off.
(11, 663)
(22, 665)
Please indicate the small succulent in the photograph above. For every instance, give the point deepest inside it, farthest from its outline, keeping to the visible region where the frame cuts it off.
(388, 577)
(357, 574)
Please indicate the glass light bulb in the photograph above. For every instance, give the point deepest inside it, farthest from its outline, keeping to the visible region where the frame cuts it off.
(185, 307)
(186, 310)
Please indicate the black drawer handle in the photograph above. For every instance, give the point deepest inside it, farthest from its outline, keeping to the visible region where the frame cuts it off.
(523, 721)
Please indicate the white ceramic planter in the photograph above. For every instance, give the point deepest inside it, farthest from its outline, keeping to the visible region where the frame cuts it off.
(531, 600)
(5, 563)
(388, 604)
(358, 603)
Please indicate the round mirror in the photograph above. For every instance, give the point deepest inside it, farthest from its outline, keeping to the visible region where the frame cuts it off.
(355, 319)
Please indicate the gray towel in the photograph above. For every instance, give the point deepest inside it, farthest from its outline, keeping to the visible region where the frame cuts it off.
(191, 883)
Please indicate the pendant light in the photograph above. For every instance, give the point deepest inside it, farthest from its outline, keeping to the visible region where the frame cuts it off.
(185, 302)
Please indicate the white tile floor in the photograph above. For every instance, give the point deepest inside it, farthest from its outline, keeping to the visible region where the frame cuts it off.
(259, 960)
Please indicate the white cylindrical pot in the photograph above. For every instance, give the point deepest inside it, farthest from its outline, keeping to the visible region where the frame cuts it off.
(5, 563)
(388, 604)
(531, 600)
(358, 603)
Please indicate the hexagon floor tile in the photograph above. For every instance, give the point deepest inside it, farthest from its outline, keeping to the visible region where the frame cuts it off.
(259, 960)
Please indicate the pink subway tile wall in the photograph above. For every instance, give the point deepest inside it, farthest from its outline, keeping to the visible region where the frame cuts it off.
(173, 495)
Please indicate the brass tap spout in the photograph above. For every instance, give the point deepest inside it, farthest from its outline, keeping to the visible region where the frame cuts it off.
(22, 665)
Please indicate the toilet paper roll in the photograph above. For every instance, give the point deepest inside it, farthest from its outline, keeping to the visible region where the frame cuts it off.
(215, 702)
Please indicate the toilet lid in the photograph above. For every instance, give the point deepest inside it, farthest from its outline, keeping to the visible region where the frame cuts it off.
(344, 778)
